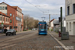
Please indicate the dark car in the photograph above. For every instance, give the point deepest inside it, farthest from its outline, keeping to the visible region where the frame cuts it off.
(11, 32)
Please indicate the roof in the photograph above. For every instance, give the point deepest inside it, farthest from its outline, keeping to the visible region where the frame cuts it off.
(6, 4)
(56, 22)
(52, 20)
(4, 14)
(15, 7)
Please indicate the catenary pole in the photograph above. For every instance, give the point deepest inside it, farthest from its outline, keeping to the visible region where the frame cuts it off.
(61, 17)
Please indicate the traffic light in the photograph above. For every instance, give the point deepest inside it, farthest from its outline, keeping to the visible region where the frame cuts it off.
(59, 19)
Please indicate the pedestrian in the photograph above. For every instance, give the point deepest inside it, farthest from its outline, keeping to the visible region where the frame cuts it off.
(5, 30)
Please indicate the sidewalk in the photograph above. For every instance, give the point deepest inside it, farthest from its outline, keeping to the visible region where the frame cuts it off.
(69, 43)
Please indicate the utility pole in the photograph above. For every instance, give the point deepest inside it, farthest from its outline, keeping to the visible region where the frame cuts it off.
(61, 17)
(49, 20)
(13, 21)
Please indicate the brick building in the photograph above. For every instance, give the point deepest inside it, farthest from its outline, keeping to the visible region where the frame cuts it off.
(16, 16)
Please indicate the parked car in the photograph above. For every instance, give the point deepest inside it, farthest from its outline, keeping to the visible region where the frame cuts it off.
(33, 29)
(11, 32)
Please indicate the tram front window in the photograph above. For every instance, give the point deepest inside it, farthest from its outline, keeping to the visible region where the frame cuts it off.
(42, 26)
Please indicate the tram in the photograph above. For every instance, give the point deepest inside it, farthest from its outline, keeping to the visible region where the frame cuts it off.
(42, 28)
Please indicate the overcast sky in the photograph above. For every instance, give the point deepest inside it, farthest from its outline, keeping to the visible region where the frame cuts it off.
(46, 6)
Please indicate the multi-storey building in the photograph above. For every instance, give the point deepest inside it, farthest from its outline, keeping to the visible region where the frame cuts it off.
(70, 16)
(16, 16)
(4, 21)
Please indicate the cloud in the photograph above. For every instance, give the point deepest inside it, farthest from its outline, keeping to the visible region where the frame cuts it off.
(44, 5)
(29, 0)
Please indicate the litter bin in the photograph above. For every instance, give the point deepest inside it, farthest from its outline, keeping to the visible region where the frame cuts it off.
(59, 34)
(65, 36)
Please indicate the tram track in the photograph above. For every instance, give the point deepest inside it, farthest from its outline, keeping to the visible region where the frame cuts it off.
(16, 36)
(31, 41)
(15, 41)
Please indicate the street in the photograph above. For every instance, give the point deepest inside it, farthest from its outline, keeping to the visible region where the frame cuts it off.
(29, 40)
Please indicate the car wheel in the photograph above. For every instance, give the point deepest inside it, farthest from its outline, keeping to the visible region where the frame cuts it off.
(15, 33)
(12, 33)
(6, 34)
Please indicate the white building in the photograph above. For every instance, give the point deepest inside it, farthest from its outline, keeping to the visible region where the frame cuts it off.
(70, 16)
(51, 23)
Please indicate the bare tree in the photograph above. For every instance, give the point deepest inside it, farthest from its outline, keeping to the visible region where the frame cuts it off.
(30, 22)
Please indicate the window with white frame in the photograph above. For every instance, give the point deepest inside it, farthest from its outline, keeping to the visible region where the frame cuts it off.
(0, 7)
(0, 18)
(6, 19)
(3, 18)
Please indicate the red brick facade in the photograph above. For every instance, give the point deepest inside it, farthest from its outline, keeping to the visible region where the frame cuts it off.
(13, 11)
(5, 20)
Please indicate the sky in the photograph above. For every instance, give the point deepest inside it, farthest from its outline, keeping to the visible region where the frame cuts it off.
(39, 8)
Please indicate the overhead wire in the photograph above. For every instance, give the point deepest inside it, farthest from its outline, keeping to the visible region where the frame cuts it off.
(34, 6)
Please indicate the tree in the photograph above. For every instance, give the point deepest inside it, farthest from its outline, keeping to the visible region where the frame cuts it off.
(30, 22)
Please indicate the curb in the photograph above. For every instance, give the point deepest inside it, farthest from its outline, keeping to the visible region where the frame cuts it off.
(60, 43)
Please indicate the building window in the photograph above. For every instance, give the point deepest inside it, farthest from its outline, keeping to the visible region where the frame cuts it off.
(0, 18)
(5, 8)
(10, 27)
(73, 8)
(3, 18)
(10, 21)
(6, 13)
(10, 14)
(6, 19)
(68, 10)
(15, 26)
(0, 8)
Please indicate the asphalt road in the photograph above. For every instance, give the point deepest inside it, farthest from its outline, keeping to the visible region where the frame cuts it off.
(29, 40)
